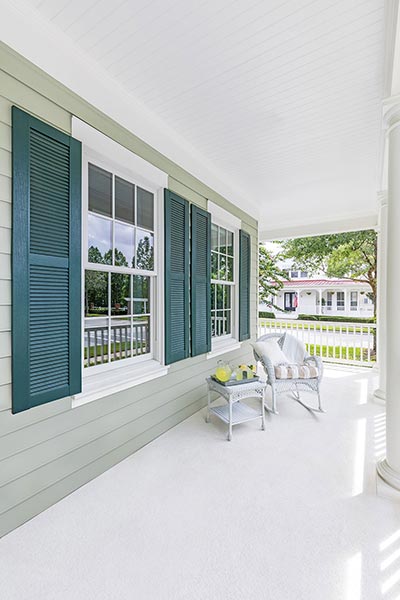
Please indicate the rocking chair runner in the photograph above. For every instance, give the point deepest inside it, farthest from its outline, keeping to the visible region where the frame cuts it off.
(282, 379)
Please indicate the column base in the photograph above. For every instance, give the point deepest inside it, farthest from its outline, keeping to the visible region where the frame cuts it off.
(389, 475)
(380, 394)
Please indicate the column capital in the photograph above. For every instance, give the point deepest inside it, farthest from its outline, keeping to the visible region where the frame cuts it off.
(391, 112)
(382, 197)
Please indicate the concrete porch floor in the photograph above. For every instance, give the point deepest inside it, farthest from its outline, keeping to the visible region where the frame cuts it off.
(291, 513)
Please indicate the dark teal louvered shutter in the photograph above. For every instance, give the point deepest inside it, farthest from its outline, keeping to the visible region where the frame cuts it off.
(176, 277)
(200, 281)
(46, 263)
(244, 285)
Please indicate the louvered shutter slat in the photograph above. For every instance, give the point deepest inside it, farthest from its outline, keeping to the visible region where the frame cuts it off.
(244, 285)
(200, 282)
(46, 263)
(176, 277)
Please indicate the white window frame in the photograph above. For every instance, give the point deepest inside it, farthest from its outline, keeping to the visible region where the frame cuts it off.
(229, 342)
(105, 379)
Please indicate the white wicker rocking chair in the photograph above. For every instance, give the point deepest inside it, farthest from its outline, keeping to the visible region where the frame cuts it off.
(291, 385)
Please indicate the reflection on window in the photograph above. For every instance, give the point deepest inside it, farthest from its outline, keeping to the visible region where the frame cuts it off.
(100, 191)
(127, 240)
(117, 317)
(222, 278)
(124, 200)
(124, 245)
(99, 240)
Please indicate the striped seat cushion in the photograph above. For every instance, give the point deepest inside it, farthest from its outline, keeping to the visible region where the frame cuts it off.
(296, 371)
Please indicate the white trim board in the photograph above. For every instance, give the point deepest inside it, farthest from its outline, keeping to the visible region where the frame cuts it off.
(117, 154)
(369, 221)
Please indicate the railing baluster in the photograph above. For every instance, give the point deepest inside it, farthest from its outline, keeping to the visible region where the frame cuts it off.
(369, 344)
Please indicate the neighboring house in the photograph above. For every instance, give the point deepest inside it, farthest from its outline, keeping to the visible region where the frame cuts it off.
(124, 298)
(318, 295)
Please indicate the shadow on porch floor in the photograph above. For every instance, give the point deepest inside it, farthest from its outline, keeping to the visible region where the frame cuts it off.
(291, 513)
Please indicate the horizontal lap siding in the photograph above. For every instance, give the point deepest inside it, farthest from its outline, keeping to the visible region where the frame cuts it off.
(49, 451)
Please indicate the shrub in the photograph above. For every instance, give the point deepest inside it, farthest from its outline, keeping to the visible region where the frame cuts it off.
(263, 314)
(338, 319)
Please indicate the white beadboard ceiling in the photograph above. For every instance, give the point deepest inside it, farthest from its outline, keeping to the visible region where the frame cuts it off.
(282, 98)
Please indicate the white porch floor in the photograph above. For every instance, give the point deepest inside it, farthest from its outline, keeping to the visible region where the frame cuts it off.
(291, 513)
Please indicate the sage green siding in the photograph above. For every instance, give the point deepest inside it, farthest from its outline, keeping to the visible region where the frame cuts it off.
(48, 451)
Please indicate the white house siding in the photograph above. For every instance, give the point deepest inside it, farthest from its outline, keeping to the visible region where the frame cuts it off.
(48, 451)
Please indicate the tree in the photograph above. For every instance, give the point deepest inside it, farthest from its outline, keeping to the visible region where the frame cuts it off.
(271, 276)
(144, 254)
(351, 256)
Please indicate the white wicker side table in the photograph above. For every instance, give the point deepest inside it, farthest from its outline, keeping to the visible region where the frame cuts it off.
(235, 411)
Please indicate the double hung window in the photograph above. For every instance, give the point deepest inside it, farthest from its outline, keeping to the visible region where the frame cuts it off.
(222, 281)
(340, 300)
(353, 300)
(119, 267)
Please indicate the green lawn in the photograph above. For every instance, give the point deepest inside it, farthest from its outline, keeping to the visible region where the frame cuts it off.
(339, 353)
(119, 348)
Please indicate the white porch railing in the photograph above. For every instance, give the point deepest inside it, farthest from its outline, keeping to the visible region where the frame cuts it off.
(346, 343)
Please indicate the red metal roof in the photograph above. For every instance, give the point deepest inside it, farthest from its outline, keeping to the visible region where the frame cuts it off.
(321, 282)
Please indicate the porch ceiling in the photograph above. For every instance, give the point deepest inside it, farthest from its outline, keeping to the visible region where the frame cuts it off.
(280, 101)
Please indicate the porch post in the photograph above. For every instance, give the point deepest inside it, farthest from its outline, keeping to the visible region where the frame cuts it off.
(382, 296)
(320, 301)
(389, 467)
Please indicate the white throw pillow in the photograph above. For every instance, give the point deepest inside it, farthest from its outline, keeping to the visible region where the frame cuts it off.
(272, 350)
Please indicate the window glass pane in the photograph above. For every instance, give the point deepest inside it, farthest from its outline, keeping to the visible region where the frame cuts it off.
(99, 240)
(120, 293)
(227, 321)
(222, 267)
(294, 274)
(141, 295)
(227, 296)
(229, 268)
(214, 237)
(121, 333)
(96, 318)
(124, 245)
(145, 209)
(222, 240)
(96, 293)
(214, 265)
(220, 296)
(95, 342)
(100, 191)
(229, 243)
(144, 250)
(124, 200)
(141, 335)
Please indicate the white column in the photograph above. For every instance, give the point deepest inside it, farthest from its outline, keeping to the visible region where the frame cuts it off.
(320, 301)
(381, 296)
(389, 467)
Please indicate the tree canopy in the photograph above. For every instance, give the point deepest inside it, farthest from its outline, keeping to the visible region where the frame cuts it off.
(351, 256)
(271, 276)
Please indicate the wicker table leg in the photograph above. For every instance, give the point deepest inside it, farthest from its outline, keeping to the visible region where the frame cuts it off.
(230, 420)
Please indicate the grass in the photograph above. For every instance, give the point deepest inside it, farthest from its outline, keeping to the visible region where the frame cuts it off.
(120, 347)
(340, 352)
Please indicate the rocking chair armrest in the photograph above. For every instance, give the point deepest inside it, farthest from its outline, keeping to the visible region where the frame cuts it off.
(317, 360)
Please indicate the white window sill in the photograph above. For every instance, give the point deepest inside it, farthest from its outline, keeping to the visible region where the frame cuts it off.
(116, 380)
(222, 346)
